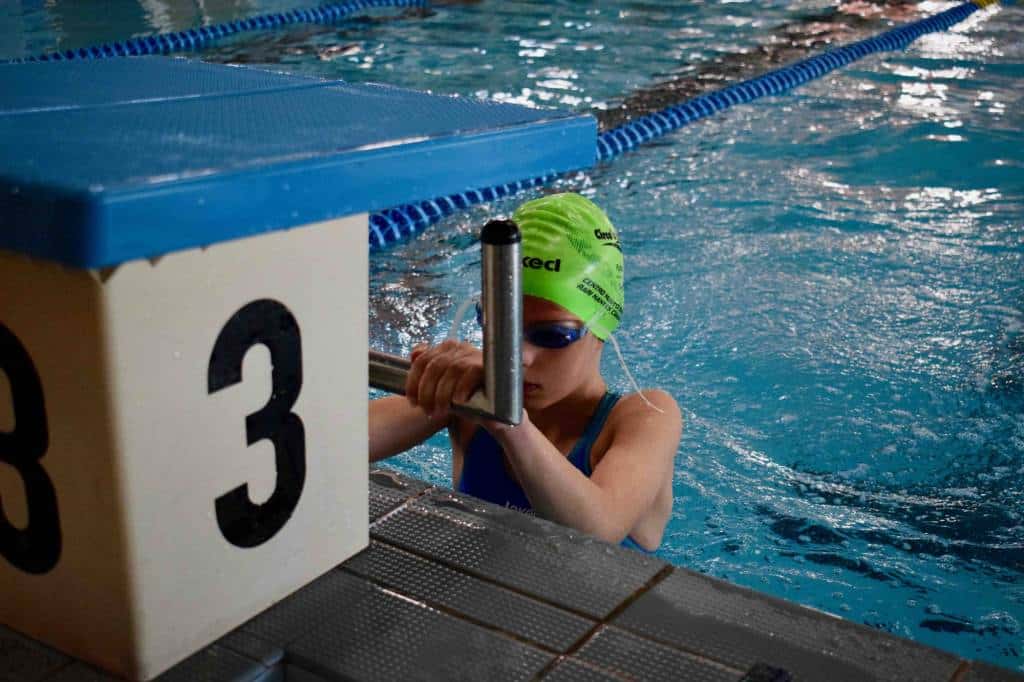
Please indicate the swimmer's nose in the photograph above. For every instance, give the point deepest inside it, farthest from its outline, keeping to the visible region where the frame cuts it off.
(529, 353)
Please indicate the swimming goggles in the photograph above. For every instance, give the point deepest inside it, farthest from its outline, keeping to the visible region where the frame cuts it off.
(545, 334)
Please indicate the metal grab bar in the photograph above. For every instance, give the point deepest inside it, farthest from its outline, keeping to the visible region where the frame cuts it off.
(502, 395)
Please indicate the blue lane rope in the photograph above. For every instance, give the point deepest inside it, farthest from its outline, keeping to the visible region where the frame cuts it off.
(197, 38)
(397, 223)
(642, 130)
(402, 222)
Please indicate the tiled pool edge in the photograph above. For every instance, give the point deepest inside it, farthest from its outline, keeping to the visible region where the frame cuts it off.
(452, 588)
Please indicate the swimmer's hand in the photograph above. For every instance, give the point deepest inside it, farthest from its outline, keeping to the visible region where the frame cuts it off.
(444, 374)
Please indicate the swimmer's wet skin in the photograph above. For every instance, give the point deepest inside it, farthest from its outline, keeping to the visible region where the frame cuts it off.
(582, 455)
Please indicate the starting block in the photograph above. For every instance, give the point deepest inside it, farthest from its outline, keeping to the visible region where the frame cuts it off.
(183, 331)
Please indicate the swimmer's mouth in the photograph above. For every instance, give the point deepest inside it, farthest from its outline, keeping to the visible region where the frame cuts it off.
(530, 388)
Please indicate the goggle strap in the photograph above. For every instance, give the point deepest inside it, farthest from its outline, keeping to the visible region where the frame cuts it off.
(460, 314)
(625, 369)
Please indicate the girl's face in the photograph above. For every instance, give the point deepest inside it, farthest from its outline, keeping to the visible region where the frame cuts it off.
(553, 373)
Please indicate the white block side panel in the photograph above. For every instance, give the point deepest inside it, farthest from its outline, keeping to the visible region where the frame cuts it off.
(167, 386)
(304, 292)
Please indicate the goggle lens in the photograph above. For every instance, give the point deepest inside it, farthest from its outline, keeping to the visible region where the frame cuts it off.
(553, 335)
(545, 334)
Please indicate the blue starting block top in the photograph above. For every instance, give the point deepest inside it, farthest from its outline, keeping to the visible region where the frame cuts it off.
(113, 160)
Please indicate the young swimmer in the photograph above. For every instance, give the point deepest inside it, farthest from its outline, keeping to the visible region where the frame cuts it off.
(583, 456)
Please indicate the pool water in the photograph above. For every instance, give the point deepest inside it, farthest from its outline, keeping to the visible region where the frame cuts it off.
(831, 282)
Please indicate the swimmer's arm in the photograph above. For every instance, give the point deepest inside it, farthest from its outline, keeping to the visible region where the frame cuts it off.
(624, 484)
(397, 423)
(395, 426)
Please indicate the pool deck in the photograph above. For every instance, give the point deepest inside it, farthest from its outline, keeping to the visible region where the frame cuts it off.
(454, 588)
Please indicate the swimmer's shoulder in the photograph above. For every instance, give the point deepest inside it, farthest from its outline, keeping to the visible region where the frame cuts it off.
(653, 406)
(633, 419)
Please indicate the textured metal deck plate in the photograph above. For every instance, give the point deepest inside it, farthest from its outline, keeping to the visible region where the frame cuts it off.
(249, 645)
(309, 608)
(740, 628)
(571, 670)
(80, 672)
(293, 673)
(762, 672)
(215, 664)
(634, 657)
(389, 489)
(544, 560)
(380, 635)
(478, 600)
(25, 660)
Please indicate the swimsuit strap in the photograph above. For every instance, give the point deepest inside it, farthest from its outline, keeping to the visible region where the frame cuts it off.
(580, 455)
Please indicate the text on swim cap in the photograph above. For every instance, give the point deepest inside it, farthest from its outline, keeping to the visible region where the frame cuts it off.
(553, 265)
(609, 238)
(600, 296)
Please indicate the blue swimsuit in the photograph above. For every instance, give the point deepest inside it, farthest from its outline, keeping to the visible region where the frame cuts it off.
(484, 475)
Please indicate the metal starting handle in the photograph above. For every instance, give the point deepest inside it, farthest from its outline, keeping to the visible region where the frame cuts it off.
(502, 395)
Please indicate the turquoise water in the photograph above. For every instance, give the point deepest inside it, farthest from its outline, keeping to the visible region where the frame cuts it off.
(830, 282)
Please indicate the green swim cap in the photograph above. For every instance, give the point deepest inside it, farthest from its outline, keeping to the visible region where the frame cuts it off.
(572, 258)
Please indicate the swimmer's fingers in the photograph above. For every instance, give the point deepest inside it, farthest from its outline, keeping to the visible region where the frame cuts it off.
(470, 378)
(419, 360)
(444, 373)
(426, 376)
(464, 374)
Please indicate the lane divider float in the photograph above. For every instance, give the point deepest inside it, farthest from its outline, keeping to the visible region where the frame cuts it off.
(399, 223)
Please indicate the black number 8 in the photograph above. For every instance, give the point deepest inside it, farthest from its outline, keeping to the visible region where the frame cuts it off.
(268, 322)
(36, 548)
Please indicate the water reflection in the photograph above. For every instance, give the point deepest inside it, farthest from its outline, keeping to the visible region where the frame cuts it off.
(782, 45)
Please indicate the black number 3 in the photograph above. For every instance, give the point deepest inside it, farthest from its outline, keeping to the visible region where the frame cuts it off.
(268, 322)
(36, 548)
